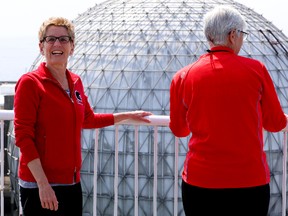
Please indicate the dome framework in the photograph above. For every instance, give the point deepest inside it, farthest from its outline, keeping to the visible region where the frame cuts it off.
(126, 54)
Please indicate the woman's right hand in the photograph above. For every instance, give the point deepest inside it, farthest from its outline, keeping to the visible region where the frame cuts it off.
(48, 197)
(46, 193)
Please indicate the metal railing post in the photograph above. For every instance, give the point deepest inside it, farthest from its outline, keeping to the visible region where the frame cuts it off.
(2, 168)
(155, 185)
(95, 173)
(136, 189)
(284, 174)
(116, 170)
(176, 176)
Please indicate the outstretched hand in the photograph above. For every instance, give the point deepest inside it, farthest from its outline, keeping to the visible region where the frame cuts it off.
(138, 115)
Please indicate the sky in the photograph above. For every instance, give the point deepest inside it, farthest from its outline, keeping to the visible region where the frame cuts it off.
(21, 19)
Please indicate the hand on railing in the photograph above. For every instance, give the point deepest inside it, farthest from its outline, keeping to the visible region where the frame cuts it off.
(138, 116)
(153, 120)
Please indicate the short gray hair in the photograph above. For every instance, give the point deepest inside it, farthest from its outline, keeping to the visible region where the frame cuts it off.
(220, 21)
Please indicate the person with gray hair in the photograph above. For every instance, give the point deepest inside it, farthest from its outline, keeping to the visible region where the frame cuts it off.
(222, 22)
(225, 100)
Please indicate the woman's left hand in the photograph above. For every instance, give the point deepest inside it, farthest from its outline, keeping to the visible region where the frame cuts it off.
(138, 115)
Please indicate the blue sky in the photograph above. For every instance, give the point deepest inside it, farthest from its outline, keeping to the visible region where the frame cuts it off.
(20, 21)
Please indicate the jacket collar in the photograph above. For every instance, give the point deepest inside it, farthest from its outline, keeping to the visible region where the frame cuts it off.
(44, 73)
(220, 49)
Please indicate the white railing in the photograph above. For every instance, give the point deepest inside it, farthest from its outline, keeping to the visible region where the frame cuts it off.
(156, 121)
(4, 115)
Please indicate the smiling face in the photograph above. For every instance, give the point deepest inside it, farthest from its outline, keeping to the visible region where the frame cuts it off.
(56, 53)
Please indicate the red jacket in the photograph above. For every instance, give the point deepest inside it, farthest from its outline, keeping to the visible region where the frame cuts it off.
(225, 100)
(48, 124)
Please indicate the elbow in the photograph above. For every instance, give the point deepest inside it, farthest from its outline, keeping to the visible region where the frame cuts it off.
(179, 132)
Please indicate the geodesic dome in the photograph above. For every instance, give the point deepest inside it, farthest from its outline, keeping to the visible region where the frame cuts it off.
(126, 54)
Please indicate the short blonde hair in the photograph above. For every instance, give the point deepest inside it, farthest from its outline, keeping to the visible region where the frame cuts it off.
(56, 21)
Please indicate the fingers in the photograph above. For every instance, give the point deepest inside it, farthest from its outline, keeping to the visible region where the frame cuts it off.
(48, 198)
(51, 205)
(137, 115)
(145, 120)
(140, 115)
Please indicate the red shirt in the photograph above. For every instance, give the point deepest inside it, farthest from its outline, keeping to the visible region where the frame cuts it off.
(225, 101)
(48, 124)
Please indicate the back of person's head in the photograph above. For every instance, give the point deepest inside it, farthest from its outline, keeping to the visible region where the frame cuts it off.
(220, 21)
(56, 21)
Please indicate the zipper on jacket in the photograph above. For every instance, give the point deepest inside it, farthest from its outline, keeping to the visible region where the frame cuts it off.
(74, 145)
